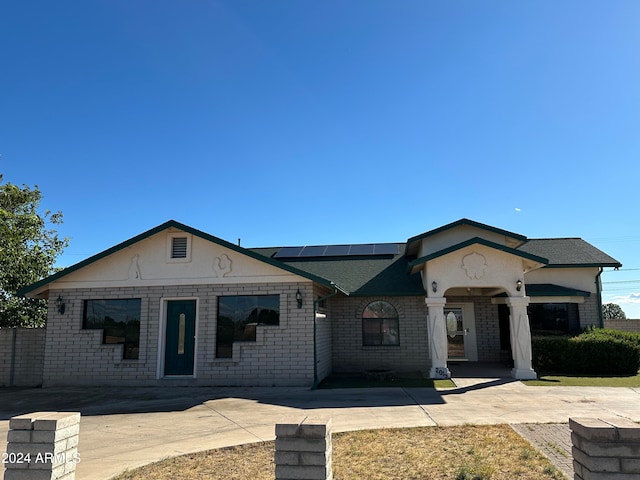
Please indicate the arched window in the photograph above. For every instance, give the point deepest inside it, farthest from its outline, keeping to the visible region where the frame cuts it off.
(380, 324)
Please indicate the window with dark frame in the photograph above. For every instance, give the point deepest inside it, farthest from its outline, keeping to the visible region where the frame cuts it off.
(238, 317)
(380, 324)
(553, 318)
(119, 320)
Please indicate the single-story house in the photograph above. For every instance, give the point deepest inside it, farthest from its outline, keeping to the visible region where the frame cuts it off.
(178, 306)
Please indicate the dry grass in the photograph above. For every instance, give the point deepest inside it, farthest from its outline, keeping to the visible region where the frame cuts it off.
(493, 452)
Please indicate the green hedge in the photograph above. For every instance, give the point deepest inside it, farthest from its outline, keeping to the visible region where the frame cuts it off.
(594, 352)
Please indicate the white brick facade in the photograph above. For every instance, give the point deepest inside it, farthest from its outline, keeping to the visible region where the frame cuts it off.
(281, 355)
(469, 267)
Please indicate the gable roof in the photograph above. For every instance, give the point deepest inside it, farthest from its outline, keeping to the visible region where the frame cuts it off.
(185, 228)
(411, 243)
(414, 264)
(568, 252)
(367, 275)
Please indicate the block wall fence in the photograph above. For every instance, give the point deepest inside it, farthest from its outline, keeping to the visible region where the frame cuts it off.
(605, 449)
(43, 446)
(21, 357)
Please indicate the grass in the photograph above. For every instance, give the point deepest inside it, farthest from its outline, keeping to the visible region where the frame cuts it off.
(575, 381)
(469, 452)
(404, 380)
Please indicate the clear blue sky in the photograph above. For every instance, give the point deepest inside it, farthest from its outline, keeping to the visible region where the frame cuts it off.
(293, 122)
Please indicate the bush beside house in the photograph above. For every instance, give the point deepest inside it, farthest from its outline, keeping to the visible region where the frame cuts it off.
(594, 352)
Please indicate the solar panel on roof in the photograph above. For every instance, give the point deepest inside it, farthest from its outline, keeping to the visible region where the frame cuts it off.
(361, 249)
(385, 249)
(288, 252)
(337, 250)
(315, 251)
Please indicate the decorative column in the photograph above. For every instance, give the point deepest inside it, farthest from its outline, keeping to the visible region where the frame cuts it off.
(520, 338)
(438, 346)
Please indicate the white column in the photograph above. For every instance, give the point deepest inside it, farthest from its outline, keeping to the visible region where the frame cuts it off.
(438, 346)
(520, 338)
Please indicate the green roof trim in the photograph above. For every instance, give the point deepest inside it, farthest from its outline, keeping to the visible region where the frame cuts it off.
(185, 228)
(470, 223)
(476, 241)
(551, 290)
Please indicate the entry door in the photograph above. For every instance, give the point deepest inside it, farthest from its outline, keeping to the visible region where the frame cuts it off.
(180, 337)
(461, 333)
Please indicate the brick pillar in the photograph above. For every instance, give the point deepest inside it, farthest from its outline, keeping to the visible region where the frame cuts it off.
(42, 446)
(605, 449)
(303, 450)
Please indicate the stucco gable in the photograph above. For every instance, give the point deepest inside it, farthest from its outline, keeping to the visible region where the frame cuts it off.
(460, 231)
(143, 260)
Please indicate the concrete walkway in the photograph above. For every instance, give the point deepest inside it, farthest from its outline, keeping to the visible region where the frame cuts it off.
(122, 428)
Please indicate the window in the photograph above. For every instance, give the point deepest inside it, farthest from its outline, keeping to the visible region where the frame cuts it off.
(238, 317)
(119, 321)
(553, 318)
(380, 324)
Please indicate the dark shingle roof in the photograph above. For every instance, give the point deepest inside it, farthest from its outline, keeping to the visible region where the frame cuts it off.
(569, 252)
(361, 276)
(387, 275)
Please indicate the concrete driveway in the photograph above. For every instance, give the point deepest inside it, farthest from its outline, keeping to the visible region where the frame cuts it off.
(122, 428)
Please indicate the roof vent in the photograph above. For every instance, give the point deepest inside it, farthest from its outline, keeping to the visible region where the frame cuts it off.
(179, 247)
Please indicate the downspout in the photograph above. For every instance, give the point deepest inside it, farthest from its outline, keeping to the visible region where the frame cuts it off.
(315, 342)
(599, 294)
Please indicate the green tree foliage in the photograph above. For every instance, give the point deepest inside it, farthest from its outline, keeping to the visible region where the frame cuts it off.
(611, 310)
(28, 252)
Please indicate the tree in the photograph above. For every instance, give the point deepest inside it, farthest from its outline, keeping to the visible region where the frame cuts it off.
(28, 252)
(612, 310)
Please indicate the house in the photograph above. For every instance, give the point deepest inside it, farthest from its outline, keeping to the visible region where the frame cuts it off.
(177, 306)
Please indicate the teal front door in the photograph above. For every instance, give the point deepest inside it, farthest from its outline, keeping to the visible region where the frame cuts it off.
(180, 337)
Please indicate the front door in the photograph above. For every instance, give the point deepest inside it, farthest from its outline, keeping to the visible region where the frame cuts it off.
(180, 337)
(461, 332)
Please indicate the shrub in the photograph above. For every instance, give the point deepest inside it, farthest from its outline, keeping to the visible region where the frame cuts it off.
(594, 352)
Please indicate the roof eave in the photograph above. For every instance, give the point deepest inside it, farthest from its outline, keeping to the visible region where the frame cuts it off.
(414, 264)
(37, 286)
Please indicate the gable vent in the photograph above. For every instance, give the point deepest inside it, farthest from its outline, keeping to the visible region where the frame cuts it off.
(179, 247)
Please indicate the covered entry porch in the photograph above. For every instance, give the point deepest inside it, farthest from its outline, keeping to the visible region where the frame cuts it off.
(461, 281)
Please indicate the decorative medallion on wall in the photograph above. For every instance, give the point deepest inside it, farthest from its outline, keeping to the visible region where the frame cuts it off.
(475, 265)
(221, 265)
(134, 268)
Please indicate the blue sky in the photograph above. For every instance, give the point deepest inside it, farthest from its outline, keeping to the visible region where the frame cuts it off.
(292, 122)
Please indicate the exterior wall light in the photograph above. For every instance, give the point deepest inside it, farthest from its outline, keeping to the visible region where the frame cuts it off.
(60, 305)
(519, 285)
(434, 286)
(299, 298)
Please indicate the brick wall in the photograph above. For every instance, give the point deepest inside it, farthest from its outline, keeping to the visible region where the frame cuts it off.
(627, 325)
(349, 355)
(21, 356)
(323, 335)
(589, 312)
(281, 355)
(605, 449)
